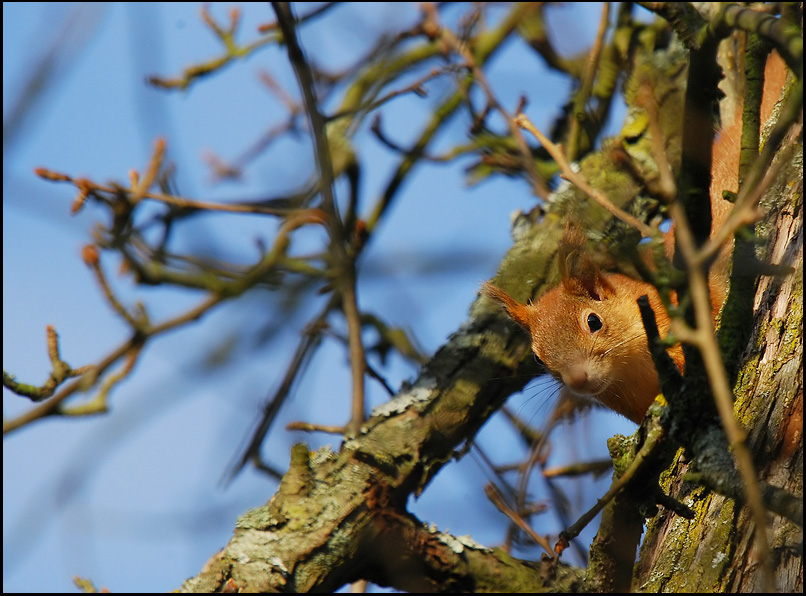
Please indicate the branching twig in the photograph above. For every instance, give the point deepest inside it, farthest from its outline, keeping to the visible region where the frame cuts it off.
(99, 404)
(61, 371)
(493, 40)
(232, 50)
(93, 261)
(346, 273)
(651, 443)
(574, 178)
(416, 88)
(145, 331)
(496, 498)
(309, 341)
(538, 183)
(86, 187)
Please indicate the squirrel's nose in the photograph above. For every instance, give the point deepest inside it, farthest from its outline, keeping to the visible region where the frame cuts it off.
(575, 377)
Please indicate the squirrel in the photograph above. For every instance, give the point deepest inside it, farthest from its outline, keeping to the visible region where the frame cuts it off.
(588, 331)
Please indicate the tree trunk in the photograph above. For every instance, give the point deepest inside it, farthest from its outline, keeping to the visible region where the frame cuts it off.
(716, 551)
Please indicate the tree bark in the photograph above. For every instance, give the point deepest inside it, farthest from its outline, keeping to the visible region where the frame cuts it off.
(717, 547)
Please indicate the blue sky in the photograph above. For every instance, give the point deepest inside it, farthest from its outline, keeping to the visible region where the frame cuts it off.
(132, 499)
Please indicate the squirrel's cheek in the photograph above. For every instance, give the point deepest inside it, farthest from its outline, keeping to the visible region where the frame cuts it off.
(536, 348)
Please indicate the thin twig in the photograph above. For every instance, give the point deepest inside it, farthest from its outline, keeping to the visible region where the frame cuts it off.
(416, 87)
(61, 371)
(173, 200)
(577, 180)
(49, 407)
(99, 404)
(494, 40)
(596, 468)
(319, 428)
(346, 276)
(497, 499)
(302, 355)
(653, 440)
(587, 82)
(232, 50)
(480, 78)
(144, 331)
(93, 260)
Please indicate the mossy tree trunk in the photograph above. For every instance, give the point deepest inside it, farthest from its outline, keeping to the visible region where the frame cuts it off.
(716, 551)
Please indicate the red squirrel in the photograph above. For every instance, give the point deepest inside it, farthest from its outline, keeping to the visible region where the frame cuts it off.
(588, 330)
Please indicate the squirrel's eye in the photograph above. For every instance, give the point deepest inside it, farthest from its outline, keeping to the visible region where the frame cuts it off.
(594, 322)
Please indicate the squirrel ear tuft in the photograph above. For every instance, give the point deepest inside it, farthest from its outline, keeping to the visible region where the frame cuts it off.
(581, 276)
(517, 312)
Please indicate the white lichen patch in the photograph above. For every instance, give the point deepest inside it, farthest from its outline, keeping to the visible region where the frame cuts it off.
(456, 543)
(521, 225)
(277, 563)
(719, 558)
(422, 391)
(452, 543)
(322, 455)
(459, 543)
(470, 543)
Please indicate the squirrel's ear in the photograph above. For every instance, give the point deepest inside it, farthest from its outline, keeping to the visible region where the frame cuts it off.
(581, 276)
(517, 312)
